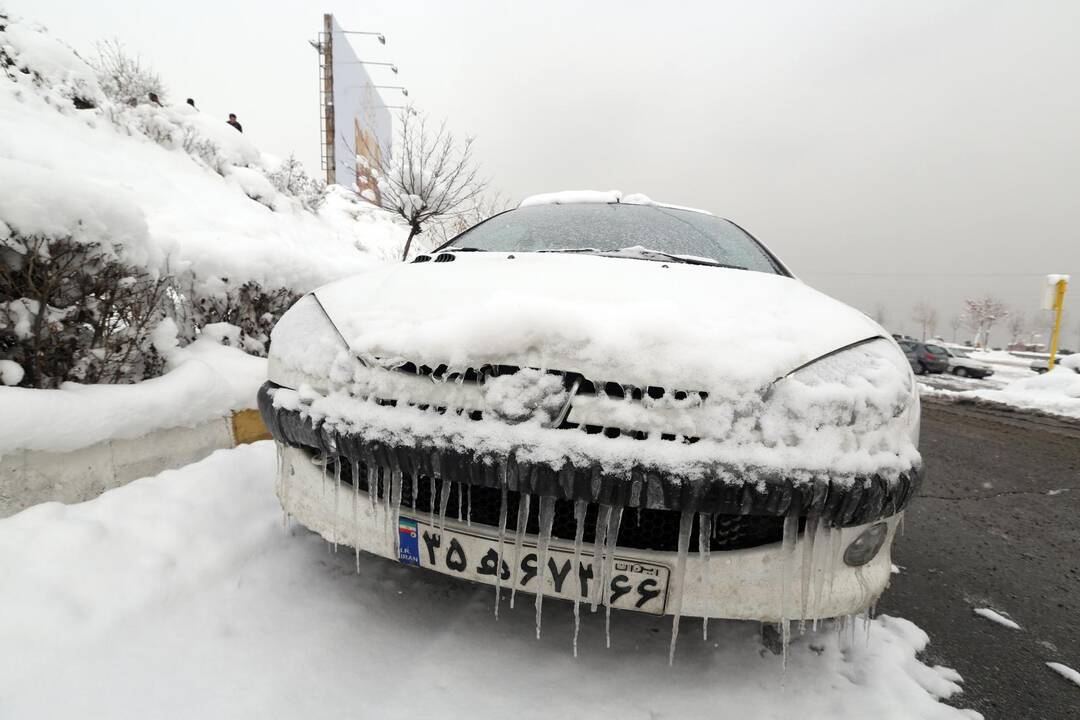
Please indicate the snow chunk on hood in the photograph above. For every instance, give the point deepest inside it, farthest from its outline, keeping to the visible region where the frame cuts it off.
(569, 197)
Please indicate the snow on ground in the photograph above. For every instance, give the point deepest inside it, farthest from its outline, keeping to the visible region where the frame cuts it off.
(1065, 671)
(1000, 619)
(1013, 383)
(206, 380)
(181, 596)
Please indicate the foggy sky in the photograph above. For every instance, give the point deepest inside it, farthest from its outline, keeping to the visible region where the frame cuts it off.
(888, 152)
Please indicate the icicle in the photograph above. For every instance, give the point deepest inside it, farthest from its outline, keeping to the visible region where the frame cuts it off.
(337, 493)
(580, 506)
(444, 500)
(372, 485)
(386, 500)
(704, 545)
(611, 543)
(468, 508)
(283, 483)
(459, 503)
(807, 569)
(788, 548)
(431, 505)
(866, 625)
(603, 515)
(547, 517)
(325, 470)
(519, 534)
(502, 537)
(396, 480)
(686, 526)
(639, 516)
(415, 488)
(821, 567)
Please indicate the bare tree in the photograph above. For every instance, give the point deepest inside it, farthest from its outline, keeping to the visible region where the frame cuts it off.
(430, 177)
(483, 207)
(981, 314)
(926, 316)
(1017, 327)
(955, 323)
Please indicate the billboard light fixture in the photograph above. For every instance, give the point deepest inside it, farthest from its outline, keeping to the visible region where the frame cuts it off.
(379, 35)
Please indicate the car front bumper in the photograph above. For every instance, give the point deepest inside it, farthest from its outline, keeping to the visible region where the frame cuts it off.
(767, 583)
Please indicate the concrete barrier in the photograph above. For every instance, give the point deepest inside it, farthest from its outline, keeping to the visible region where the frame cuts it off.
(28, 477)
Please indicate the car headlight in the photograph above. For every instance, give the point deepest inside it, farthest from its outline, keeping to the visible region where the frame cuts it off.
(862, 395)
(304, 346)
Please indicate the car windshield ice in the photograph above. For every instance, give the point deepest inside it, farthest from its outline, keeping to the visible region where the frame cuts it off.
(611, 227)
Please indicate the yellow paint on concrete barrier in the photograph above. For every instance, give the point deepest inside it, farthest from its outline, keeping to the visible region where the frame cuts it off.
(248, 427)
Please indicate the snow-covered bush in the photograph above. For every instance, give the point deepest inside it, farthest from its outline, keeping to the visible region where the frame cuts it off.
(76, 312)
(290, 178)
(123, 77)
(249, 307)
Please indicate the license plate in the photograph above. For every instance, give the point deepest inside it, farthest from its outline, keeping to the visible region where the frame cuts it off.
(635, 584)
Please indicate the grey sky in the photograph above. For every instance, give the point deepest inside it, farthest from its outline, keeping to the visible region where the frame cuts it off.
(887, 151)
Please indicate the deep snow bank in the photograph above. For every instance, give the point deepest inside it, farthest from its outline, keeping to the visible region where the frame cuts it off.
(181, 596)
(1056, 392)
(205, 381)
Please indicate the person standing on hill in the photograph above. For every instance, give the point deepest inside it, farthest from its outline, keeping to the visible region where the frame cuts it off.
(234, 122)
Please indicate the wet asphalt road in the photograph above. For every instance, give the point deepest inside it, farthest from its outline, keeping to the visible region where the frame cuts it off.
(997, 525)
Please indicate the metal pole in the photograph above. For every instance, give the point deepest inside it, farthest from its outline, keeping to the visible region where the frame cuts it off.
(328, 97)
(1059, 305)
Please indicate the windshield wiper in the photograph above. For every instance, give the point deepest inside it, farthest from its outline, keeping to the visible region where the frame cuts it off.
(462, 249)
(644, 254)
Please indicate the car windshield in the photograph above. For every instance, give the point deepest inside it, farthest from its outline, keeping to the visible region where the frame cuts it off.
(959, 353)
(614, 227)
(936, 349)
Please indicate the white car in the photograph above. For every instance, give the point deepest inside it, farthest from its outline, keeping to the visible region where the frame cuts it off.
(961, 363)
(570, 397)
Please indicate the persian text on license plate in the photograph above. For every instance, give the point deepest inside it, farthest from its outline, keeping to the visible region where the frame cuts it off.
(635, 584)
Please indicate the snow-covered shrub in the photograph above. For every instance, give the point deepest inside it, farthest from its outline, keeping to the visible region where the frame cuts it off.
(76, 312)
(290, 178)
(123, 77)
(250, 307)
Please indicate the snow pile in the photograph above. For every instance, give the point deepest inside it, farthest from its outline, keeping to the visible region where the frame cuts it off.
(1056, 392)
(206, 381)
(568, 197)
(629, 322)
(994, 616)
(214, 590)
(1065, 671)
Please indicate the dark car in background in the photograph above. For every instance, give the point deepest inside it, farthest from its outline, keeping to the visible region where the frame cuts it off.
(925, 358)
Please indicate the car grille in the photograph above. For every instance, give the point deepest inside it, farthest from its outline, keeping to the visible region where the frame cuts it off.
(641, 528)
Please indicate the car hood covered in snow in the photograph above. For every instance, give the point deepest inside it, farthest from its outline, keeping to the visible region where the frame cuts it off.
(633, 322)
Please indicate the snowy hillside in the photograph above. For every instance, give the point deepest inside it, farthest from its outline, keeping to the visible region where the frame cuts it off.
(181, 189)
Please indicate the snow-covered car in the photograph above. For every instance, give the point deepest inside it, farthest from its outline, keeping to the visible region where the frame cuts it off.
(570, 397)
(961, 363)
(1071, 361)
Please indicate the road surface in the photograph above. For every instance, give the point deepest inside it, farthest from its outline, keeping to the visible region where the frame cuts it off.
(997, 525)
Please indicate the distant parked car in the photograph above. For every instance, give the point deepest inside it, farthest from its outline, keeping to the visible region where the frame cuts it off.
(961, 363)
(925, 358)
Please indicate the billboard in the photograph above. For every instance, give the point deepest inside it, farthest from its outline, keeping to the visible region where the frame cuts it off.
(362, 124)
